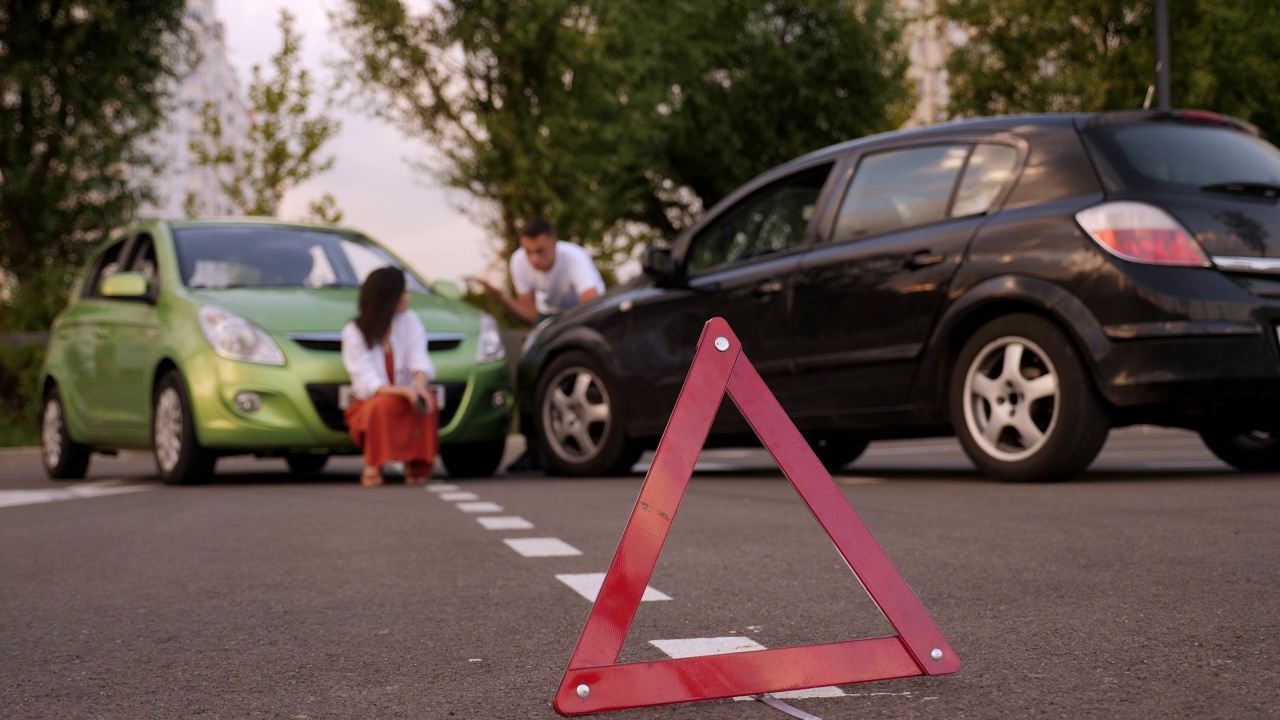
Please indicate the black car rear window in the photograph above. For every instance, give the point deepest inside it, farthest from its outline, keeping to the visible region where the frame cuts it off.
(1180, 156)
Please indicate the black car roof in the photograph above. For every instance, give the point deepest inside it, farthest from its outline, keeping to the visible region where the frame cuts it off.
(1036, 120)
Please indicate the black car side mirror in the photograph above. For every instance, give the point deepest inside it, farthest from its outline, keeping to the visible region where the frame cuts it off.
(659, 264)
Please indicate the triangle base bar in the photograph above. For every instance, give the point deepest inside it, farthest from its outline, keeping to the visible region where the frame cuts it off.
(632, 685)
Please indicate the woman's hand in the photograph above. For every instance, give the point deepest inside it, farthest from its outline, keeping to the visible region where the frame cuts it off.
(418, 392)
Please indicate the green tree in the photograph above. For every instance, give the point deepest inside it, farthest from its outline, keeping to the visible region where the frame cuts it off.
(282, 149)
(81, 85)
(619, 120)
(776, 79)
(1084, 55)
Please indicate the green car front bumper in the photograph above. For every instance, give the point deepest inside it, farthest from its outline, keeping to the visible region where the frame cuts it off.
(244, 407)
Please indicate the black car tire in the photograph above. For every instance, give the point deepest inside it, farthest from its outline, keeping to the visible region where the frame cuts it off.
(579, 419)
(473, 459)
(179, 457)
(1247, 450)
(306, 463)
(836, 451)
(1053, 435)
(64, 458)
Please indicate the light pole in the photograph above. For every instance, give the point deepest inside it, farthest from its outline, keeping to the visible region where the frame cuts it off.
(1162, 54)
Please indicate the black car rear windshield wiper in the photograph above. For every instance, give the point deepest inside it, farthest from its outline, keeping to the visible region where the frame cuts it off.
(1270, 191)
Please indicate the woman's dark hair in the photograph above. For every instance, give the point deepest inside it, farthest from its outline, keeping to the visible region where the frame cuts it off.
(379, 295)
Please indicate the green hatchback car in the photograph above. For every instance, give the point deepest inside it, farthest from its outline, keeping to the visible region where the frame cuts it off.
(203, 338)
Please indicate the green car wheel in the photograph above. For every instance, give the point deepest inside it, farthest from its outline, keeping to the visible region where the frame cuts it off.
(64, 459)
(179, 457)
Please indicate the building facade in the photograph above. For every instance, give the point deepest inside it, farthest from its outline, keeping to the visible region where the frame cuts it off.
(928, 39)
(212, 80)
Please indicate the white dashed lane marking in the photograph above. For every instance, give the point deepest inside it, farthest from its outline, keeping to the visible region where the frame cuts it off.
(504, 523)
(441, 488)
(695, 647)
(588, 586)
(456, 496)
(542, 547)
(11, 498)
(479, 507)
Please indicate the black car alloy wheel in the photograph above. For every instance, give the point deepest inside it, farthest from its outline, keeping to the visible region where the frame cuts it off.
(579, 420)
(1022, 405)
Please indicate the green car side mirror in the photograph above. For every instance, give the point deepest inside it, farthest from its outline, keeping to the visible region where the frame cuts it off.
(447, 289)
(125, 285)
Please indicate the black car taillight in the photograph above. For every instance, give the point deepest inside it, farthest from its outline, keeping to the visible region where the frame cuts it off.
(1141, 233)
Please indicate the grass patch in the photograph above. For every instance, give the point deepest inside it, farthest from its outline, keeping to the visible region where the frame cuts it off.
(20, 394)
(18, 435)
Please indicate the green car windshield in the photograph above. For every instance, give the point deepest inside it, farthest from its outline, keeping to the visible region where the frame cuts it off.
(279, 257)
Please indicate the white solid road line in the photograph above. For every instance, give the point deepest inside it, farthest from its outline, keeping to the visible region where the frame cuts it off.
(588, 586)
(12, 498)
(504, 523)
(542, 547)
(695, 647)
(479, 507)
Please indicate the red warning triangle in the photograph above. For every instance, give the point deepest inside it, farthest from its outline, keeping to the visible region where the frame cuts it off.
(594, 682)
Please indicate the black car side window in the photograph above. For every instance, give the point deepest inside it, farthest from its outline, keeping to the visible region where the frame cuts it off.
(108, 264)
(900, 189)
(985, 175)
(771, 219)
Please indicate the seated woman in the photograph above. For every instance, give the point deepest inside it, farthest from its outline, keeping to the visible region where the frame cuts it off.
(394, 415)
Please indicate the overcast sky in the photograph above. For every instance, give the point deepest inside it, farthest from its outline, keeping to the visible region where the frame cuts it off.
(372, 182)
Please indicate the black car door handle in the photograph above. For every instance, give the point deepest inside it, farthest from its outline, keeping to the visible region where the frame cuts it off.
(922, 259)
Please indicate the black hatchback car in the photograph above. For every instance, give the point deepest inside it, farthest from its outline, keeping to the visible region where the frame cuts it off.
(1024, 283)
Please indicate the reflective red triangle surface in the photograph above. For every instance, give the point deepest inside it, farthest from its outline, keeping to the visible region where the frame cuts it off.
(595, 682)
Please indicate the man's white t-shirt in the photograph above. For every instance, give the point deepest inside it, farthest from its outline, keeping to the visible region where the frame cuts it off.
(557, 289)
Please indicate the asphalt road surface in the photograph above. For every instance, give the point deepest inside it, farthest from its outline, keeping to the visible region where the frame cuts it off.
(1144, 589)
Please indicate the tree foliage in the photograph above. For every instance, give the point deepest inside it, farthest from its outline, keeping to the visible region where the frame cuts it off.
(619, 121)
(1084, 55)
(81, 85)
(282, 148)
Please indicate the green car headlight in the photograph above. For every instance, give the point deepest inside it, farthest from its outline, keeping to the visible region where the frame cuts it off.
(489, 346)
(235, 338)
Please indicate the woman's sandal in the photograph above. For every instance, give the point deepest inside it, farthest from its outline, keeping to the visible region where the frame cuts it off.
(371, 477)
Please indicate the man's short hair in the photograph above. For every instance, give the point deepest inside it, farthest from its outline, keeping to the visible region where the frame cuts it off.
(536, 227)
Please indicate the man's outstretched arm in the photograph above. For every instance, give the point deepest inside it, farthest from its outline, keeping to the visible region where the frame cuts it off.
(522, 306)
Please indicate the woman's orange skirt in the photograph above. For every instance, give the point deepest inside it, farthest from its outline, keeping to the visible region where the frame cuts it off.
(386, 427)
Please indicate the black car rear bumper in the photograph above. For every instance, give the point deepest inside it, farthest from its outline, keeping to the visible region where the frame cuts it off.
(1220, 370)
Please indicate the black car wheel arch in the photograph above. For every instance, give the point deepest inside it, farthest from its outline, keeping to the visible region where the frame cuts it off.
(996, 298)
